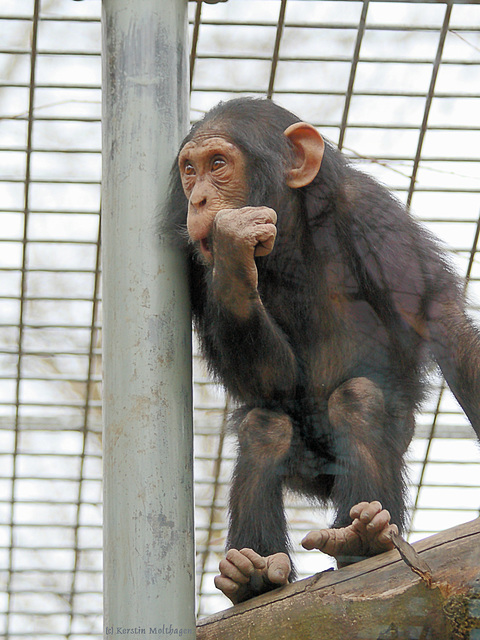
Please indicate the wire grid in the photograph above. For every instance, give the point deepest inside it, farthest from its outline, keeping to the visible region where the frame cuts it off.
(395, 84)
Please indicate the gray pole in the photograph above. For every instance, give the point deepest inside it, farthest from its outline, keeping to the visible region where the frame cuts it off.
(148, 504)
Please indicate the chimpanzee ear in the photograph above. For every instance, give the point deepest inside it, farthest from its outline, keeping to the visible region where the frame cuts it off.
(309, 148)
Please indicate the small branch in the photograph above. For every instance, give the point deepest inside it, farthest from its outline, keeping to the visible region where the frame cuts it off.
(412, 559)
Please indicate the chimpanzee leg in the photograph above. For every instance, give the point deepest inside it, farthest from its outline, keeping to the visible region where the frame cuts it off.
(368, 450)
(257, 518)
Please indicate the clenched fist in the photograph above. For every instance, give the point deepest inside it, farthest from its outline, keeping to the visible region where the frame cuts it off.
(250, 228)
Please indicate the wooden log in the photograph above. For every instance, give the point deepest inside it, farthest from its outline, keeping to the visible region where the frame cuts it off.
(384, 597)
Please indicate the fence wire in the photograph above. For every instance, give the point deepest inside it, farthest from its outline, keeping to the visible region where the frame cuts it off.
(395, 84)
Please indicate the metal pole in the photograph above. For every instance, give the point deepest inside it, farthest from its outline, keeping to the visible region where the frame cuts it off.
(148, 504)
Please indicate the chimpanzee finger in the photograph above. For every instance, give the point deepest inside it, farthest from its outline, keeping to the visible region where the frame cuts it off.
(366, 511)
(315, 539)
(384, 537)
(229, 570)
(236, 566)
(357, 509)
(380, 521)
(265, 235)
(226, 586)
(258, 561)
(262, 214)
(279, 568)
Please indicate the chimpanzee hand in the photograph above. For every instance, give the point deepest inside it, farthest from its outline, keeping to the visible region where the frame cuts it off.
(368, 535)
(249, 231)
(244, 574)
(239, 235)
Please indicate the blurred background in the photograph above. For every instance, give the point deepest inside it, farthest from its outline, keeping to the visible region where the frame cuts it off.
(395, 84)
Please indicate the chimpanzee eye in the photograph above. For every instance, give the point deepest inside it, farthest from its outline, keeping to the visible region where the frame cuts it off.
(188, 169)
(218, 163)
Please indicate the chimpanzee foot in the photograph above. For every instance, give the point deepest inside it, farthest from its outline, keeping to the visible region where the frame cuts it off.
(245, 574)
(368, 535)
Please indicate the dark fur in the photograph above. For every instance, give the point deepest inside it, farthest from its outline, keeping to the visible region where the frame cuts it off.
(354, 289)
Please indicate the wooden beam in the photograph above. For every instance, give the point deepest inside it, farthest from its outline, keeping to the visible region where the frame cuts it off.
(376, 599)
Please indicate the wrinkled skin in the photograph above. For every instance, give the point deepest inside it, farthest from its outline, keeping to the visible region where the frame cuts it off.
(368, 535)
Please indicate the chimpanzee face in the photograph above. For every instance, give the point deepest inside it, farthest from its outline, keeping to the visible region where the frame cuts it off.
(212, 170)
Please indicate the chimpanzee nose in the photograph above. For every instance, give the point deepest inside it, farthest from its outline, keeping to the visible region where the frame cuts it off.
(199, 196)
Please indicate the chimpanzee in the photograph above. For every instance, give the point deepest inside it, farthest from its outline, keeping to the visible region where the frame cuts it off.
(314, 295)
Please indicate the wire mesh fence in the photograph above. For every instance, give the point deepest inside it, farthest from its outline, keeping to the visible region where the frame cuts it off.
(395, 84)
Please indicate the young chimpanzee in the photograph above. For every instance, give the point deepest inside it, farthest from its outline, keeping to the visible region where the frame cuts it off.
(314, 294)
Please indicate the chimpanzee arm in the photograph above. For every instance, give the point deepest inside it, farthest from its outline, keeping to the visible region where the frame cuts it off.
(406, 276)
(455, 343)
(251, 353)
